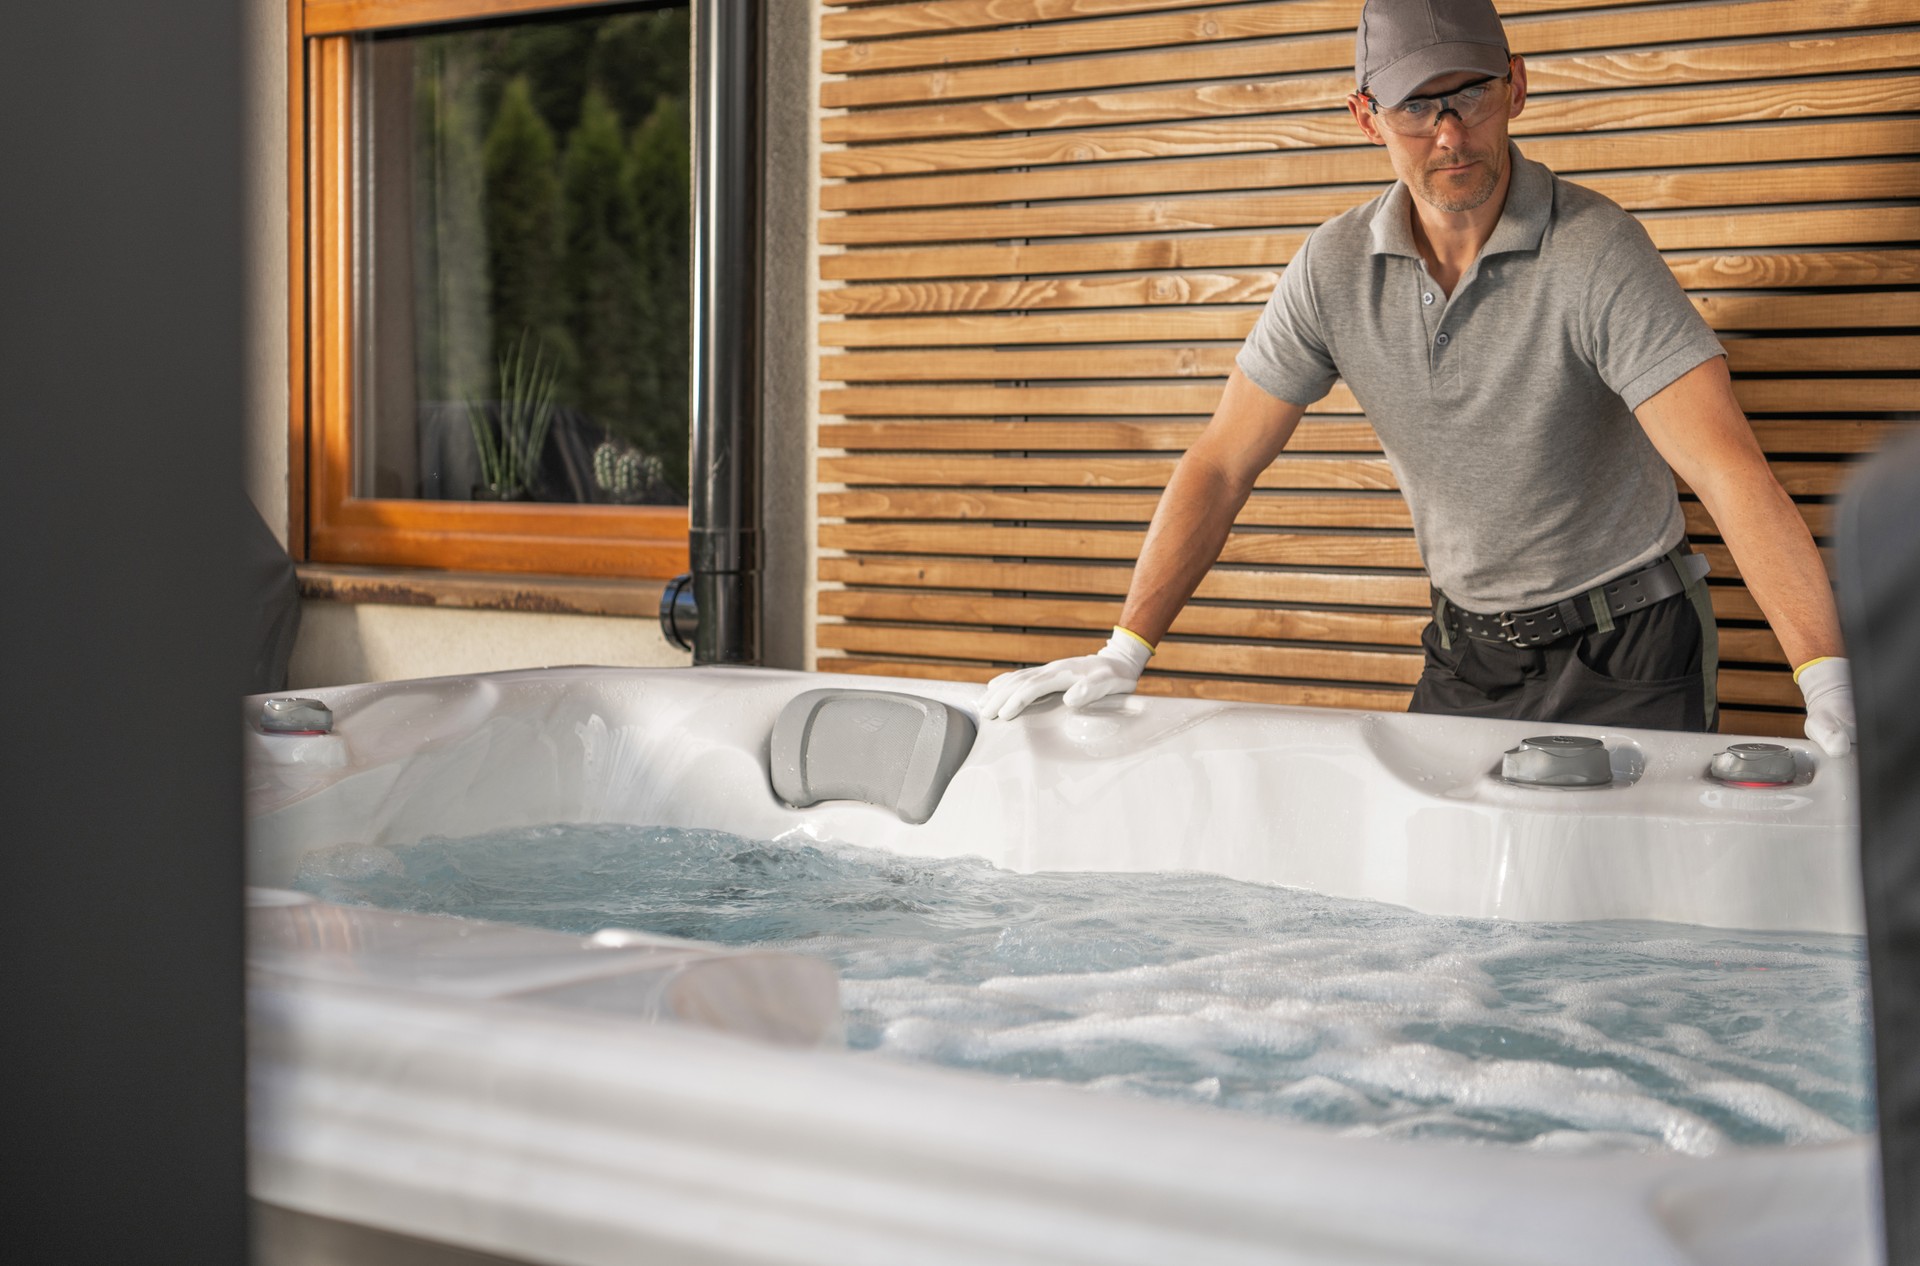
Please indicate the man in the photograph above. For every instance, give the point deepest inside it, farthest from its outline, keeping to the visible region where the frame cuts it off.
(1528, 361)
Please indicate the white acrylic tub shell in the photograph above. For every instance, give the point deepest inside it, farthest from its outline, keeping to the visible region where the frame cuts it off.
(565, 1128)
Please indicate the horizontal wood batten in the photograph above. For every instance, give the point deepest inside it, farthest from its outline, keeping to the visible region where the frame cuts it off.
(937, 17)
(1754, 186)
(1348, 589)
(1776, 436)
(1276, 133)
(1756, 395)
(1721, 64)
(943, 16)
(1801, 353)
(1723, 231)
(1367, 589)
(1094, 618)
(1155, 684)
(1534, 38)
(1569, 156)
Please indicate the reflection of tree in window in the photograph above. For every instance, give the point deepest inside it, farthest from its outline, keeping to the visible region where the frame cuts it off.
(549, 204)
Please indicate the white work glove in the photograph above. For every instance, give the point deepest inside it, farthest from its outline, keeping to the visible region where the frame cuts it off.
(1113, 670)
(1827, 686)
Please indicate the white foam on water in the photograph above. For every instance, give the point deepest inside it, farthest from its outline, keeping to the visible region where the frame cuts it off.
(1360, 1016)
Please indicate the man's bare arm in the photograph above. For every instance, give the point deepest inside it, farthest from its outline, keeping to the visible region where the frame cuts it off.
(1699, 428)
(1208, 487)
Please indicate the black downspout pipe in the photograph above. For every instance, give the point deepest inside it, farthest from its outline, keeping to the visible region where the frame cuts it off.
(724, 473)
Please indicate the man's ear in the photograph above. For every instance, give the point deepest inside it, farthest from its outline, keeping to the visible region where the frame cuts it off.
(1363, 115)
(1518, 101)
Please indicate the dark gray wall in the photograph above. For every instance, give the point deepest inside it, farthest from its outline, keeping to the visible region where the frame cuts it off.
(1877, 569)
(786, 553)
(120, 509)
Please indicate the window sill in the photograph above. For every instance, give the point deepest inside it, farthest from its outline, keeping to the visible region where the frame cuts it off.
(547, 595)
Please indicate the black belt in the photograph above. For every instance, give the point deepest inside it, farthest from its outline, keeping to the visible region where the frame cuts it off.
(1638, 589)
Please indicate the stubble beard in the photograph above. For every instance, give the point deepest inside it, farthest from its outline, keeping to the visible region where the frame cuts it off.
(1447, 194)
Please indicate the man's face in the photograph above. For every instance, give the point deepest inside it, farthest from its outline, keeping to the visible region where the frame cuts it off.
(1458, 166)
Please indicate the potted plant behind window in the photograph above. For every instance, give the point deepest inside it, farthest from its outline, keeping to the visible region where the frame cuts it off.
(511, 437)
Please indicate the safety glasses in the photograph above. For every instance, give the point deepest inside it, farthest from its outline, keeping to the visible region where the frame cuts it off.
(1471, 103)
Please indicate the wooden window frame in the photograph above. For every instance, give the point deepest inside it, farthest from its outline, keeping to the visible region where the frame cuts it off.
(328, 523)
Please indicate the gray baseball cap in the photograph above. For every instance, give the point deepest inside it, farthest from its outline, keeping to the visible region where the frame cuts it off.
(1401, 44)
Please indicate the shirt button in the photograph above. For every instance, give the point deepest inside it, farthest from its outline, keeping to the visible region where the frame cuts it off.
(1442, 338)
(1426, 298)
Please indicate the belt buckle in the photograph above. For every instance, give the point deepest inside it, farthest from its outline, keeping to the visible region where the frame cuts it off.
(1507, 629)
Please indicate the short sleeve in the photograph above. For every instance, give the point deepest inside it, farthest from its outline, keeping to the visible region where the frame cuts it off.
(1286, 355)
(1641, 331)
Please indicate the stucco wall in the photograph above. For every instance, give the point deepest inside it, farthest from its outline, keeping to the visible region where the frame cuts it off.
(344, 642)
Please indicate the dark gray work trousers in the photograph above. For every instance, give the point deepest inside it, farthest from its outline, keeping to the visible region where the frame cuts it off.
(1652, 670)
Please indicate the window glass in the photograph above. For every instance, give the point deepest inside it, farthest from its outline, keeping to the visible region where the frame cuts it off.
(521, 255)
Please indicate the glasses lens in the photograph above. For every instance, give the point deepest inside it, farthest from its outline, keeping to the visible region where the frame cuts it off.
(1420, 116)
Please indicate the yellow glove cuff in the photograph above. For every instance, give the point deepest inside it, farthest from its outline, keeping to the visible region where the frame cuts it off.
(1136, 637)
(1809, 664)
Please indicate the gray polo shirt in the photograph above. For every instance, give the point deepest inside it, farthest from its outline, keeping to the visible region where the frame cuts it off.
(1506, 410)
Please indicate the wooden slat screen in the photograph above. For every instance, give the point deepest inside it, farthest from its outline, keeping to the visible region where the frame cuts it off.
(1046, 225)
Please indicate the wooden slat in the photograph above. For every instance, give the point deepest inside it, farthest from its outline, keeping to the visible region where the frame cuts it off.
(1094, 617)
(1751, 685)
(1362, 589)
(1838, 435)
(1719, 104)
(936, 17)
(1774, 19)
(1215, 360)
(1390, 667)
(1739, 721)
(1568, 156)
(1806, 268)
(1222, 690)
(1347, 589)
(1157, 30)
(1722, 64)
(1720, 231)
(1848, 353)
(1248, 290)
(1754, 186)
(1261, 510)
(1349, 474)
(1761, 395)
(1038, 302)
(1206, 360)
(1407, 594)
(1811, 312)
(1090, 615)
(943, 16)
(1291, 549)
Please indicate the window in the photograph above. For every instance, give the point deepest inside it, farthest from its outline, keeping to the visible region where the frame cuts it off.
(497, 287)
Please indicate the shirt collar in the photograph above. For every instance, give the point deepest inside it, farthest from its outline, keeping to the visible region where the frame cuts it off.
(1523, 221)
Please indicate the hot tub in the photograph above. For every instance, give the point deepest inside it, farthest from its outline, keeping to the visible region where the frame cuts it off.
(518, 1093)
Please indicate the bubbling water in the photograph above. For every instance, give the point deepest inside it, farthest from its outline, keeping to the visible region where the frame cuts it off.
(1365, 1017)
